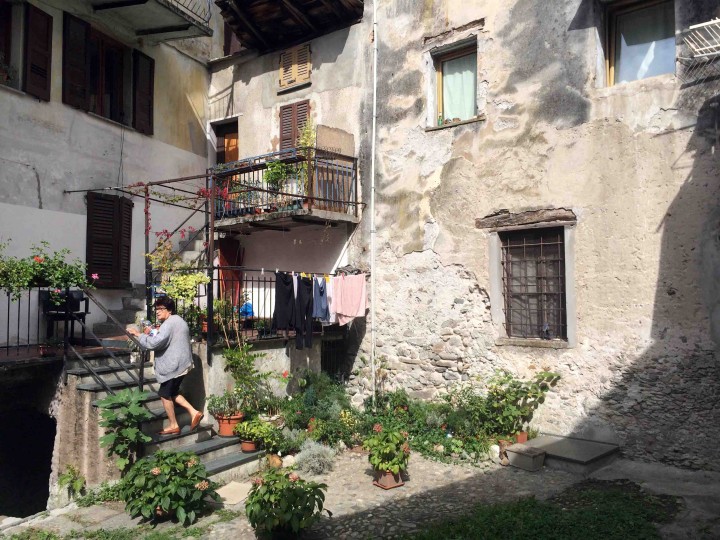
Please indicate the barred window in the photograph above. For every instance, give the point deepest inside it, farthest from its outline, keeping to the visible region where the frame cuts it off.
(533, 263)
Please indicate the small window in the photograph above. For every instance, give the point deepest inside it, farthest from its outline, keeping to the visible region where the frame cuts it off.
(533, 274)
(641, 40)
(226, 146)
(109, 232)
(295, 66)
(456, 85)
(292, 121)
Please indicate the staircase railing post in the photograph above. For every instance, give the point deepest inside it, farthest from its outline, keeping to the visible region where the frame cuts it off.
(148, 265)
(66, 333)
(141, 376)
(210, 238)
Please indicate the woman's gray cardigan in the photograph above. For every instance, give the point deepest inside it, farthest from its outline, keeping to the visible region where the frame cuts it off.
(173, 353)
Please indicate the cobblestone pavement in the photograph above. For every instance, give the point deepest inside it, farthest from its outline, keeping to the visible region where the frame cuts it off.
(432, 491)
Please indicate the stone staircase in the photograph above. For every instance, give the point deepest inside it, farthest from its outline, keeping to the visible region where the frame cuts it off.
(222, 456)
(133, 310)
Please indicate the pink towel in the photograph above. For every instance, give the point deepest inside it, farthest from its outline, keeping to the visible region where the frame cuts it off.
(349, 297)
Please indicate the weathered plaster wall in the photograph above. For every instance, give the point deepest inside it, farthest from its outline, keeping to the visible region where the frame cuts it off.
(628, 160)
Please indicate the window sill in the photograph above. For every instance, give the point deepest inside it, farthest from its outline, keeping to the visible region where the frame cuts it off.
(294, 87)
(478, 118)
(110, 121)
(529, 342)
(14, 90)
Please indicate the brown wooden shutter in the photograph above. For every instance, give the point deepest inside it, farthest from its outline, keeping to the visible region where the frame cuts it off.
(143, 92)
(38, 52)
(287, 63)
(109, 232)
(231, 43)
(302, 63)
(76, 36)
(5, 30)
(292, 119)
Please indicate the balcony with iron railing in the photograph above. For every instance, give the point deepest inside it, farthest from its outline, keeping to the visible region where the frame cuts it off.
(158, 20)
(284, 189)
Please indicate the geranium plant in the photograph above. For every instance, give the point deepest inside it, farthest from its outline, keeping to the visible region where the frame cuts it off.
(168, 483)
(42, 269)
(389, 449)
(283, 503)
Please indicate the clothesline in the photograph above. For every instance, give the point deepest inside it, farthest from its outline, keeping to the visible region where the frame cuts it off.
(272, 270)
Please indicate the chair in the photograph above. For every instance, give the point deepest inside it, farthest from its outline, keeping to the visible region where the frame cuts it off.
(55, 313)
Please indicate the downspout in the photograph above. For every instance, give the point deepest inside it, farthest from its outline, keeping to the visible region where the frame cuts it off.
(373, 311)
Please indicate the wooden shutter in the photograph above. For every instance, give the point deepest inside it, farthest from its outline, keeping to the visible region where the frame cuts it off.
(38, 52)
(302, 63)
(292, 119)
(76, 36)
(295, 66)
(109, 232)
(143, 92)
(5, 30)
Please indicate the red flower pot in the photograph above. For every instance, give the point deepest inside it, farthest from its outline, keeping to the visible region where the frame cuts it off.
(387, 480)
(248, 446)
(226, 424)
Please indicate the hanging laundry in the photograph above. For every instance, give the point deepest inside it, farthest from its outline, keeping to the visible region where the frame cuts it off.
(332, 316)
(350, 297)
(284, 313)
(320, 301)
(303, 313)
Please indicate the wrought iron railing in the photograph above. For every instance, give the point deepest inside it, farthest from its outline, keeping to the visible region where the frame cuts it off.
(197, 9)
(312, 179)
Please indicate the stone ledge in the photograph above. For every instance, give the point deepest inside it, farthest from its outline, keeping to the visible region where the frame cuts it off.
(539, 343)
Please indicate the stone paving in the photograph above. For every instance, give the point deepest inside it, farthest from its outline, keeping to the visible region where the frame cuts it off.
(432, 491)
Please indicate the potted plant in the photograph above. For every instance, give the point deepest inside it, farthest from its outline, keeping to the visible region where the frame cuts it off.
(281, 504)
(275, 175)
(255, 432)
(227, 410)
(389, 456)
(262, 328)
(7, 72)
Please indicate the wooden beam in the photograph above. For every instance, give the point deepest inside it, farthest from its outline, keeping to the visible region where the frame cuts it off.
(332, 5)
(118, 4)
(246, 21)
(298, 15)
(503, 218)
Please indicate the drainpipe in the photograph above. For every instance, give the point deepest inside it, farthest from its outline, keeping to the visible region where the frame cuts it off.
(373, 311)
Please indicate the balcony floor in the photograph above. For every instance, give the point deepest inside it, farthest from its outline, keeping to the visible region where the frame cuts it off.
(283, 221)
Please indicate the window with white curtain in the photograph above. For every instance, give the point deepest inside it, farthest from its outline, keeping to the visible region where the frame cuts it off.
(457, 86)
(641, 40)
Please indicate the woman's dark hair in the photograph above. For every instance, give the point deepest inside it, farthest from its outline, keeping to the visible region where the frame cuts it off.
(166, 302)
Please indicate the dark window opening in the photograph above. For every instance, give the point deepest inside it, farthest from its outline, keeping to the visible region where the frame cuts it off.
(226, 145)
(332, 356)
(534, 283)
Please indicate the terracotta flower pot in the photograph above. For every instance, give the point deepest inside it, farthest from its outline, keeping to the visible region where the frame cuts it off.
(226, 424)
(521, 436)
(248, 446)
(387, 480)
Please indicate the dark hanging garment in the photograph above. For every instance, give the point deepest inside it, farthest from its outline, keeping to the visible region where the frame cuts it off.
(284, 314)
(303, 313)
(320, 301)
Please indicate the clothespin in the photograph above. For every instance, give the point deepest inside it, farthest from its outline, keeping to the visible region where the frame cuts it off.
(262, 271)
(277, 270)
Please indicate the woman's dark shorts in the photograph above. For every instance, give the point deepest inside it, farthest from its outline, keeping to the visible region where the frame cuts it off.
(170, 389)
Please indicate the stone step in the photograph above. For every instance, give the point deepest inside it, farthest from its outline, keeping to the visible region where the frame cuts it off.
(148, 402)
(151, 385)
(233, 466)
(128, 316)
(108, 329)
(97, 359)
(579, 456)
(158, 421)
(195, 244)
(138, 290)
(172, 442)
(111, 372)
(137, 304)
(213, 448)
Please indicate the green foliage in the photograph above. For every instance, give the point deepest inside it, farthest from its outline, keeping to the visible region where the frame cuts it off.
(292, 440)
(121, 415)
(315, 458)
(72, 480)
(33, 533)
(389, 449)
(275, 175)
(104, 493)
(168, 482)
(251, 384)
(41, 268)
(228, 404)
(263, 433)
(284, 503)
(591, 511)
(184, 286)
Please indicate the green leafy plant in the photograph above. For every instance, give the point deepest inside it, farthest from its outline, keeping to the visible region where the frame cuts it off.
(307, 141)
(168, 483)
(72, 480)
(42, 268)
(250, 382)
(389, 450)
(263, 433)
(183, 286)
(104, 493)
(121, 415)
(275, 174)
(227, 404)
(283, 503)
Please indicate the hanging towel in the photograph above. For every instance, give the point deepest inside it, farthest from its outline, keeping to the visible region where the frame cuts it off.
(284, 313)
(332, 316)
(320, 301)
(351, 298)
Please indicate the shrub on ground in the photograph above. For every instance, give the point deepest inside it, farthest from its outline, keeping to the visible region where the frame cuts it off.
(315, 458)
